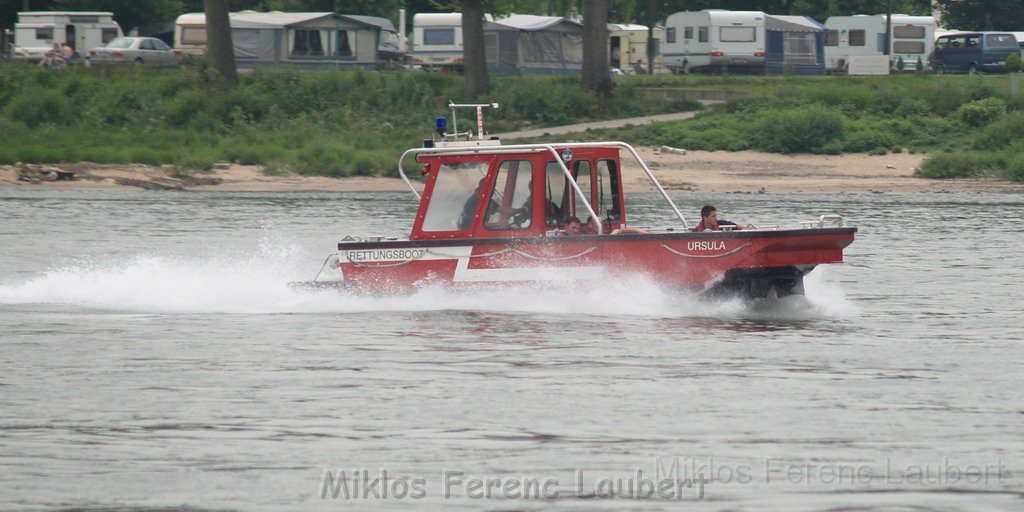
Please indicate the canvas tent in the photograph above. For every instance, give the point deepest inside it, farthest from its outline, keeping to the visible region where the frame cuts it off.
(528, 44)
(309, 40)
(795, 45)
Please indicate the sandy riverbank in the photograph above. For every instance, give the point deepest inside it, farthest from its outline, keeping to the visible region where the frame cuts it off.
(701, 171)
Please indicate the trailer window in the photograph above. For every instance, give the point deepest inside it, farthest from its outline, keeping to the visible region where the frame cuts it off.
(307, 42)
(438, 36)
(832, 38)
(857, 38)
(908, 47)
(343, 43)
(702, 34)
(908, 32)
(799, 48)
(455, 196)
(44, 33)
(670, 35)
(688, 33)
(737, 34)
(84, 19)
(189, 35)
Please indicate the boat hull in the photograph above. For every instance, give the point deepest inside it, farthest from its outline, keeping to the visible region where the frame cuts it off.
(751, 263)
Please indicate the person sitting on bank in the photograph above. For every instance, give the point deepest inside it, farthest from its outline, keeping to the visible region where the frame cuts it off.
(709, 220)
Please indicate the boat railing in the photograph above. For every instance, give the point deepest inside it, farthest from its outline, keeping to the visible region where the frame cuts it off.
(551, 148)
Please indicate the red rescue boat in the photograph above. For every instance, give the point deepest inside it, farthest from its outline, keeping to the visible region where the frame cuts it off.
(493, 214)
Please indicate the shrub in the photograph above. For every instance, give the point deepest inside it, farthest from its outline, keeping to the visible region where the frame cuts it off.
(1001, 133)
(979, 113)
(805, 129)
(37, 107)
(959, 165)
(1013, 63)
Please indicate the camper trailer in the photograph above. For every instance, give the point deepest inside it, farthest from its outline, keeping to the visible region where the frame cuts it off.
(714, 39)
(437, 40)
(36, 32)
(627, 46)
(851, 40)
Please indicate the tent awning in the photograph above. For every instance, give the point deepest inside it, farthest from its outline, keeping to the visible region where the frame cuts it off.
(792, 24)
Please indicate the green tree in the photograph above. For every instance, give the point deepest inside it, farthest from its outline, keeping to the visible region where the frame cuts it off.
(982, 14)
(130, 14)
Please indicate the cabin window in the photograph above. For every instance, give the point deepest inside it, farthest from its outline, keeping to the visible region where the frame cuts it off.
(146, 45)
(44, 33)
(343, 43)
(908, 32)
(307, 42)
(608, 191)
(737, 34)
(455, 195)
(511, 203)
(972, 41)
(799, 48)
(832, 38)
(189, 35)
(1000, 41)
(908, 47)
(857, 38)
(109, 34)
(438, 36)
(583, 180)
(702, 34)
(555, 187)
(941, 42)
(670, 35)
(688, 33)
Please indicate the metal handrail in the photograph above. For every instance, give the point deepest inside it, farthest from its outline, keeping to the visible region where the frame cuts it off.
(554, 152)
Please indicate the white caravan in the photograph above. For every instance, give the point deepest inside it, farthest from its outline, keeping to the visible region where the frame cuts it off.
(37, 31)
(850, 38)
(714, 39)
(627, 46)
(437, 39)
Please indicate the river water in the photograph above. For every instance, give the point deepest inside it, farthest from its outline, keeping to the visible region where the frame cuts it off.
(152, 356)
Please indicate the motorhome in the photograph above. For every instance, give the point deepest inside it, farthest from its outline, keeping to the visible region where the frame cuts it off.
(437, 39)
(714, 39)
(851, 39)
(37, 31)
(627, 46)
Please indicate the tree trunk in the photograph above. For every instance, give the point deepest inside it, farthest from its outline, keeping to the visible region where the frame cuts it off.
(219, 47)
(473, 54)
(596, 75)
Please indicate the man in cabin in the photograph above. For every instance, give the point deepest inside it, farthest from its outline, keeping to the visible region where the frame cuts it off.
(469, 208)
(709, 220)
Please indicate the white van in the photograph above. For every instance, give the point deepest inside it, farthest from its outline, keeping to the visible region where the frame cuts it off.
(37, 31)
(437, 39)
(863, 36)
(714, 39)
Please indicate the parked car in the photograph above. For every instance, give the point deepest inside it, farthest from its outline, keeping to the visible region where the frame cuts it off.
(137, 50)
(970, 52)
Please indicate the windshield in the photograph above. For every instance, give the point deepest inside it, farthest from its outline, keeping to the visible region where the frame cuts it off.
(121, 42)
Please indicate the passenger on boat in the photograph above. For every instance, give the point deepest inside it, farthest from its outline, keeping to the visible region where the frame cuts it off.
(572, 226)
(469, 208)
(709, 220)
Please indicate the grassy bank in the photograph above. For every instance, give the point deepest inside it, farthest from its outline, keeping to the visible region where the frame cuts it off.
(345, 123)
(328, 123)
(970, 124)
